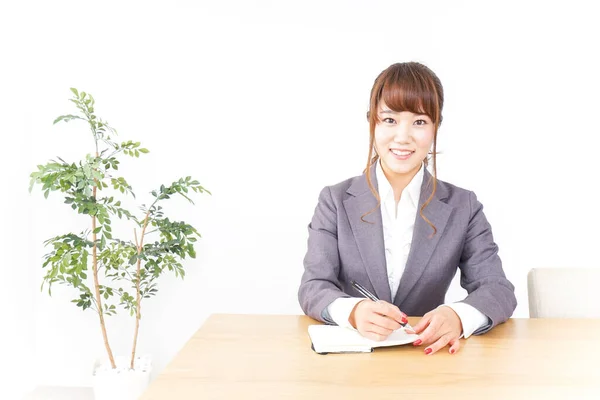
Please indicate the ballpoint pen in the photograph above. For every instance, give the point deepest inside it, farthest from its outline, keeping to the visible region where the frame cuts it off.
(368, 294)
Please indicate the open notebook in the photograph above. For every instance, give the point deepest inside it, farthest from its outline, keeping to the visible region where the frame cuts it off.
(335, 339)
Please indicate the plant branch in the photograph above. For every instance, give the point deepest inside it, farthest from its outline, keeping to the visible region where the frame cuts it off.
(131, 278)
(95, 268)
(152, 231)
(97, 290)
(138, 302)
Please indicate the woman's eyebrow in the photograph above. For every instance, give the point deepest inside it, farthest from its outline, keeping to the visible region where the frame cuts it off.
(386, 111)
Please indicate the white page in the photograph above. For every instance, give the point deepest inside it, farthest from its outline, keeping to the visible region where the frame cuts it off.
(330, 338)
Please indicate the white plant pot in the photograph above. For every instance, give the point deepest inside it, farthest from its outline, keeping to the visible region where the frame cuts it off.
(121, 383)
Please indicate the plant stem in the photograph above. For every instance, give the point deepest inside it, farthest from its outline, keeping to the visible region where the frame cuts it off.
(97, 287)
(95, 270)
(94, 252)
(137, 286)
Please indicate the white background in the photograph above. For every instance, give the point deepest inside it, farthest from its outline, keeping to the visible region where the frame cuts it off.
(264, 103)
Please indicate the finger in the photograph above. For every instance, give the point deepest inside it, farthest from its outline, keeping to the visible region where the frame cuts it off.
(390, 310)
(439, 344)
(374, 336)
(384, 322)
(380, 330)
(454, 346)
(431, 333)
(422, 324)
(409, 329)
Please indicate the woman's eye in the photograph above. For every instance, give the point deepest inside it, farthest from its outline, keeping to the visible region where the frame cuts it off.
(389, 120)
(420, 122)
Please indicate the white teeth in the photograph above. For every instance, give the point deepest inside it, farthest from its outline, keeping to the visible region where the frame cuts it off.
(401, 152)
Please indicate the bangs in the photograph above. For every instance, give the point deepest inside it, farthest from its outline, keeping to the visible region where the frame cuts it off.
(404, 90)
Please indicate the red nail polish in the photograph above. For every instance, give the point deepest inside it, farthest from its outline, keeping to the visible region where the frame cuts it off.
(452, 351)
(428, 351)
(417, 342)
(404, 320)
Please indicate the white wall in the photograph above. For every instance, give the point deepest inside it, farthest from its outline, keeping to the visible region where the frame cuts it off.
(264, 103)
(17, 269)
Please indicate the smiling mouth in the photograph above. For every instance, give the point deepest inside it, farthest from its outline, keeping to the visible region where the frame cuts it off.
(401, 153)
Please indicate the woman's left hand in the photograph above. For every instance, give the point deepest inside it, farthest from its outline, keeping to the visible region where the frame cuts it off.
(437, 329)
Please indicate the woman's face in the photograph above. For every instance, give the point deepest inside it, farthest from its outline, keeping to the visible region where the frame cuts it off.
(402, 140)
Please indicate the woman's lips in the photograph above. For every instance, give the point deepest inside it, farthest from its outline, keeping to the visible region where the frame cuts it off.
(401, 154)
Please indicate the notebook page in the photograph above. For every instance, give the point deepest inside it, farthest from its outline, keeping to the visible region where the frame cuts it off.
(396, 338)
(330, 338)
(330, 335)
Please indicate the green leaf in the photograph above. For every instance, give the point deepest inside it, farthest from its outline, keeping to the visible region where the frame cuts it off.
(97, 230)
(145, 151)
(74, 91)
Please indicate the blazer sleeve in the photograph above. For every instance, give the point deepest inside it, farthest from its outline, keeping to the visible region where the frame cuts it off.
(319, 285)
(482, 275)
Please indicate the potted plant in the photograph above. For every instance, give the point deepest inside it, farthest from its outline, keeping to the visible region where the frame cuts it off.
(110, 273)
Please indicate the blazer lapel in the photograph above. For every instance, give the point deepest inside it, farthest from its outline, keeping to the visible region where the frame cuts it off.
(423, 244)
(369, 235)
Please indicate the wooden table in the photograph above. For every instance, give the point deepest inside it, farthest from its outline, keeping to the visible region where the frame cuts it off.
(269, 357)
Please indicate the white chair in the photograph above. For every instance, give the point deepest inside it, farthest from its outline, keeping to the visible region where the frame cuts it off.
(564, 292)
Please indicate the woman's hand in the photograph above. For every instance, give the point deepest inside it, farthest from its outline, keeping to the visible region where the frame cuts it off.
(376, 320)
(438, 328)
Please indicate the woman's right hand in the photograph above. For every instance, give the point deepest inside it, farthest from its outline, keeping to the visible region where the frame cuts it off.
(376, 320)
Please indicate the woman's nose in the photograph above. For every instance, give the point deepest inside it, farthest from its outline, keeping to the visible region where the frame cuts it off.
(402, 133)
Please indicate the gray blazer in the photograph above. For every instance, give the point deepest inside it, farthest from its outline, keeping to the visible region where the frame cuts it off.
(342, 248)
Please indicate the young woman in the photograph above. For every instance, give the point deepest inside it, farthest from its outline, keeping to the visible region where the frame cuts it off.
(401, 233)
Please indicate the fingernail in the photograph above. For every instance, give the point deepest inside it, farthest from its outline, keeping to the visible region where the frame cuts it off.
(428, 351)
(452, 351)
(404, 320)
(417, 342)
